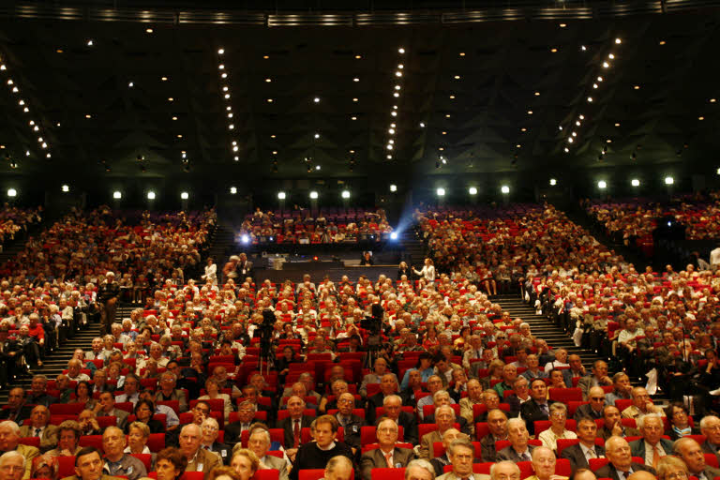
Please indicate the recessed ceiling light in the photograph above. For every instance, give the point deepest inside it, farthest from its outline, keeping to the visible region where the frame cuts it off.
(268, 80)
(447, 115)
(131, 84)
(662, 42)
(637, 87)
(164, 79)
(457, 77)
(523, 129)
(441, 148)
(266, 57)
(174, 118)
(462, 54)
(537, 94)
(358, 57)
(148, 30)
(179, 135)
(59, 50)
(701, 118)
(221, 51)
(444, 133)
(269, 100)
(355, 100)
(90, 43)
(316, 99)
(272, 136)
(518, 146)
(618, 41)
(88, 116)
(553, 50)
(617, 124)
(353, 118)
(530, 112)
(171, 99)
(401, 50)
(713, 100)
(452, 97)
(563, 25)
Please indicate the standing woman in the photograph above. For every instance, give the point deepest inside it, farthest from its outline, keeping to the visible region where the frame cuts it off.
(403, 269)
(427, 272)
(211, 271)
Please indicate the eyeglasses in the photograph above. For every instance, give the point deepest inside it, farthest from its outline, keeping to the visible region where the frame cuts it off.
(676, 475)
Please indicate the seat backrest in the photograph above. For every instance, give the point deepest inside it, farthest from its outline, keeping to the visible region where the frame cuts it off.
(156, 442)
(146, 458)
(91, 441)
(387, 474)
(66, 466)
(311, 474)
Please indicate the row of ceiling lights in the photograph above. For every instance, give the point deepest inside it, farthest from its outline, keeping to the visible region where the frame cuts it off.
(395, 110)
(227, 97)
(22, 103)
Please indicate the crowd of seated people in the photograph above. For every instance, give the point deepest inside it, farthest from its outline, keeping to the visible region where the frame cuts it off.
(324, 226)
(64, 278)
(632, 221)
(454, 387)
(14, 221)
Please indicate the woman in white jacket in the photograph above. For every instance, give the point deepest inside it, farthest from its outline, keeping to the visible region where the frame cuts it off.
(427, 272)
(211, 272)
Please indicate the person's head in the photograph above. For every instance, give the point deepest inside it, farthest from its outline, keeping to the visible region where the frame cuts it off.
(434, 384)
(651, 427)
(474, 389)
(107, 401)
(558, 416)
(245, 463)
(339, 468)
(39, 385)
(144, 410)
(9, 435)
(497, 422)
(673, 468)
(138, 435)
(440, 398)
(444, 417)
(505, 470)
(617, 451)
(611, 416)
(388, 384)
(691, 453)
(16, 398)
(346, 403)
(43, 466)
(113, 440)
(640, 398)
(224, 473)
(89, 464)
(600, 369)
(392, 405)
(419, 469)
(461, 453)
(190, 436)
(69, 433)
(168, 380)
(509, 373)
(491, 399)
(40, 416)
(710, 427)
(587, 431)
(132, 384)
(518, 433)
(387, 433)
(677, 413)
(295, 406)
(12, 466)
(543, 463)
(324, 430)
(74, 367)
(596, 397)
(575, 362)
(170, 464)
(259, 442)
(200, 412)
(538, 390)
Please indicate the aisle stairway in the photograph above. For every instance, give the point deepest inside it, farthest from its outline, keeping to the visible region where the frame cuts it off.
(543, 328)
(56, 362)
(222, 244)
(414, 247)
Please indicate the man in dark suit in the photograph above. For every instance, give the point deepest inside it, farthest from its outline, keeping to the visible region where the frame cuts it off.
(497, 424)
(351, 423)
(580, 454)
(538, 407)
(613, 425)
(621, 466)
(392, 406)
(441, 461)
(38, 393)
(388, 386)
(293, 425)
(576, 370)
(518, 450)
(106, 408)
(462, 455)
(209, 440)
(594, 409)
(246, 419)
(441, 398)
(651, 428)
(387, 455)
(17, 410)
(598, 378)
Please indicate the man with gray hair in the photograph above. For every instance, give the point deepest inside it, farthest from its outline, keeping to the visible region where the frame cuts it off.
(167, 391)
(209, 440)
(710, 427)
(392, 408)
(387, 455)
(259, 442)
(419, 469)
(462, 454)
(12, 466)
(444, 419)
(117, 462)
(652, 447)
(10, 440)
(504, 470)
(519, 450)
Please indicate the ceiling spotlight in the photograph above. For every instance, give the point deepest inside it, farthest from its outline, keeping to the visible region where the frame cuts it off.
(606, 65)
(345, 194)
(221, 51)
(90, 43)
(356, 79)
(669, 180)
(422, 124)
(582, 47)
(472, 191)
(563, 25)
(462, 54)
(602, 184)
(65, 188)
(184, 195)
(164, 79)
(316, 99)
(401, 51)
(314, 195)
(131, 84)
(635, 182)
(151, 195)
(618, 41)
(269, 100)
(281, 195)
(355, 100)
(505, 189)
(317, 167)
(317, 135)
(713, 100)
(233, 190)
(358, 57)
(440, 192)
(117, 195)
(701, 118)
(553, 182)
(393, 187)
(589, 99)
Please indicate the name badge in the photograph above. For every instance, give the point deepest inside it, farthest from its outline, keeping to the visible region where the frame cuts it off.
(355, 428)
(130, 469)
(200, 467)
(223, 453)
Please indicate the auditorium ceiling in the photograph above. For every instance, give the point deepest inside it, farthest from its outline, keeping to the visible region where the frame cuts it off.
(172, 92)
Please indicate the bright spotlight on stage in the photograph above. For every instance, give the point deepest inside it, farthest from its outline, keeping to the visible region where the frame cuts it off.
(393, 236)
(245, 239)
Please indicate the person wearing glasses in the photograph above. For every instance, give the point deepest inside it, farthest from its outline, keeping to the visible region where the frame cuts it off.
(672, 468)
(351, 423)
(387, 455)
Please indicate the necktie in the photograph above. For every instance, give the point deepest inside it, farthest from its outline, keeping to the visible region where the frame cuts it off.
(388, 459)
(544, 408)
(525, 457)
(621, 475)
(591, 454)
(656, 456)
(296, 433)
(37, 432)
